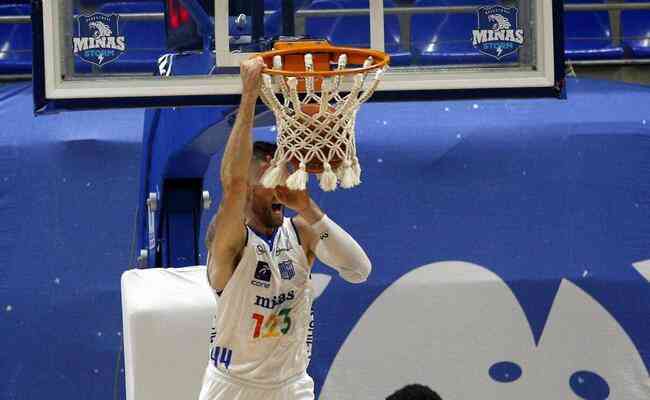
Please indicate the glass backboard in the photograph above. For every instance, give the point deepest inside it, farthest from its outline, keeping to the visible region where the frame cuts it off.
(110, 54)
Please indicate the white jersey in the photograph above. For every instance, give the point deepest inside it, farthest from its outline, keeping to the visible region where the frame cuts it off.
(263, 314)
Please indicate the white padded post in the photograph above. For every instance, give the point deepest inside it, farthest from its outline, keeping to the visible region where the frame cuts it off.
(167, 315)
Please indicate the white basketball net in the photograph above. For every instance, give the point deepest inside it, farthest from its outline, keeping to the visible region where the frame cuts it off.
(325, 138)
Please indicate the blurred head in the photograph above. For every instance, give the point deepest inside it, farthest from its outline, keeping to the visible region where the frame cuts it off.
(263, 205)
(414, 392)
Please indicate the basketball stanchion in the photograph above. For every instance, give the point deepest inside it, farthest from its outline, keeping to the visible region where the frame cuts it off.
(315, 90)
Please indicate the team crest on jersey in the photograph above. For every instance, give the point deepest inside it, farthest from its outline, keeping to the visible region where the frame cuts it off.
(497, 34)
(98, 40)
(286, 270)
(260, 250)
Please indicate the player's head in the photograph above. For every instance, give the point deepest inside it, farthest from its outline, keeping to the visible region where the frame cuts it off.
(414, 392)
(263, 203)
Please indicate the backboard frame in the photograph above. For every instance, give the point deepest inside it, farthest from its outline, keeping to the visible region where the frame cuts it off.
(52, 93)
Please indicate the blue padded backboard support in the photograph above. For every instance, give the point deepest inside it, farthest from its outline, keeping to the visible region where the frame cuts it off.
(181, 218)
(177, 147)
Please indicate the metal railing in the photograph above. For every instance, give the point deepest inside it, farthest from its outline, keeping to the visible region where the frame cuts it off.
(302, 15)
(27, 19)
(305, 13)
(606, 6)
(461, 9)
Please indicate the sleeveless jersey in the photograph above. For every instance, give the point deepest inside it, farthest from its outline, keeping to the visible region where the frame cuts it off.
(261, 326)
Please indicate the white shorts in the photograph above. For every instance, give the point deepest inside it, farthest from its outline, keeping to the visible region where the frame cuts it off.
(218, 386)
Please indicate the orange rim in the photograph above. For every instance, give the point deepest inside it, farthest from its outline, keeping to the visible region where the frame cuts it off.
(355, 56)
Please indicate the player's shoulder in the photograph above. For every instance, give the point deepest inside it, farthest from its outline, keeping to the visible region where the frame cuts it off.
(303, 229)
(297, 222)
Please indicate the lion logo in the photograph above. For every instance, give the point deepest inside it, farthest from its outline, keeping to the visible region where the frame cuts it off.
(500, 22)
(100, 29)
(98, 40)
(497, 34)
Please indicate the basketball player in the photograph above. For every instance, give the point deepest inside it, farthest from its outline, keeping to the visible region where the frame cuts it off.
(259, 265)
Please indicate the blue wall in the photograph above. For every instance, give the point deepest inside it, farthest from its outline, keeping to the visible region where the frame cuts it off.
(68, 197)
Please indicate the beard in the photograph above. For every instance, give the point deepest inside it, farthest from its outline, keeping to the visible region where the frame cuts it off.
(274, 219)
(270, 218)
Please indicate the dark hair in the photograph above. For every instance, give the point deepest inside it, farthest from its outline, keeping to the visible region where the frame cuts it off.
(263, 150)
(414, 392)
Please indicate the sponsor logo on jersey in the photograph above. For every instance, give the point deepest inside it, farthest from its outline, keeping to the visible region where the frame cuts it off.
(98, 40)
(283, 245)
(286, 270)
(260, 284)
(263, 271)
(324, 235)
(280, 250)
(497, 34)
(271, 302)
(262, 275)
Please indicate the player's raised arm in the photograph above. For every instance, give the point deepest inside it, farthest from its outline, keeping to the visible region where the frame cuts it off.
(227, 233)
(325, 239)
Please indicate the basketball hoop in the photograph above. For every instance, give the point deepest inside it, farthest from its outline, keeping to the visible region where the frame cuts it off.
(315, 90)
